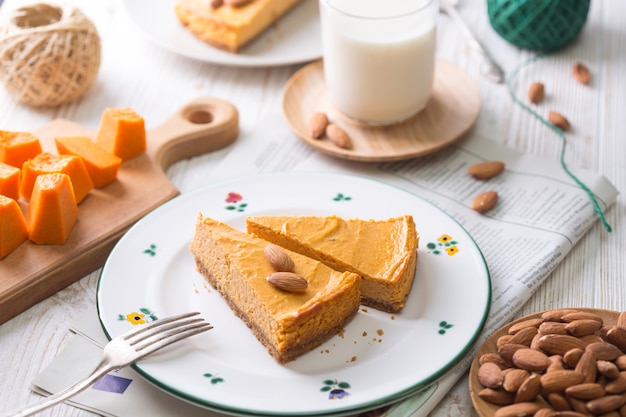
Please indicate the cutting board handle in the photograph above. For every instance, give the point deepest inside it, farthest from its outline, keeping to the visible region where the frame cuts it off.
(203, 125)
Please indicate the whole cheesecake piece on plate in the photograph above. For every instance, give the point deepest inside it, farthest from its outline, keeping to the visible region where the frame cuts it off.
(233, 24)
(289, 324)
(383, 252)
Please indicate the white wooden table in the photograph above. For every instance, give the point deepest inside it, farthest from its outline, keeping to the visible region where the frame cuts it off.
(156, 82)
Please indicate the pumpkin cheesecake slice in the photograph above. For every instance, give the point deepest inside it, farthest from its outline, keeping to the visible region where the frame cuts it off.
(383, 252)
(289, 320)
(230, 24)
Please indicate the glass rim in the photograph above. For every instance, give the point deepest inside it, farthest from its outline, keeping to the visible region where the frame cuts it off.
(426, 4)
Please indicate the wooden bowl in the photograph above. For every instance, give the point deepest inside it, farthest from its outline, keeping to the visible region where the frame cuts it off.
(487, 409)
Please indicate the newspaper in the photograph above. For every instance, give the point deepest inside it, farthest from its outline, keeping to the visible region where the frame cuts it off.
(540, 215)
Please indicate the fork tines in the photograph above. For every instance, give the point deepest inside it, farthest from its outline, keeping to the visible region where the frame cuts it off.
(161, 333)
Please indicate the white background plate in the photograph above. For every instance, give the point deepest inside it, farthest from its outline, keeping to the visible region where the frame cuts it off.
(381, 356)
(293, 39)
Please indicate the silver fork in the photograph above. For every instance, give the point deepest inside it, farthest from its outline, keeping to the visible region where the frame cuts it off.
(124, 350)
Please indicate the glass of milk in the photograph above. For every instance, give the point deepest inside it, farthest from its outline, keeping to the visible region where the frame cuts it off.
(379, 57)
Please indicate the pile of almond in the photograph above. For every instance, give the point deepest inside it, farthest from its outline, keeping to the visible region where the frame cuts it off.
(320, 125)
(566, 363)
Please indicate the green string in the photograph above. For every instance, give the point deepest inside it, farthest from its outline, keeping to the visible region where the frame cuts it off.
(559, 133)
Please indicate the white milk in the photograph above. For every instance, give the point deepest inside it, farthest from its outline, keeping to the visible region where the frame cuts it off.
(378, 70)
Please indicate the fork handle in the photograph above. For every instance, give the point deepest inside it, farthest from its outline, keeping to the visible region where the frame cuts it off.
(490, 69)
(63, 395)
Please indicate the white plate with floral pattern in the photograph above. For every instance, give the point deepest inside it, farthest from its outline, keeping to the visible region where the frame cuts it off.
(293, 39)
(378, 359)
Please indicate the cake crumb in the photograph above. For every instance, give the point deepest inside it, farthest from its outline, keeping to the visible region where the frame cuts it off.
(364, 334)
(380, 332)
(365, 310)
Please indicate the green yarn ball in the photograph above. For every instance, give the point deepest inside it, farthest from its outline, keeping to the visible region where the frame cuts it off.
(544, 25)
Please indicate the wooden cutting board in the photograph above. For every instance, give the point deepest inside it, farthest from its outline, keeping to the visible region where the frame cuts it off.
(33, 272)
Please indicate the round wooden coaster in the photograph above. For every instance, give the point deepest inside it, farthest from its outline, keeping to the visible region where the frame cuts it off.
(450, 113)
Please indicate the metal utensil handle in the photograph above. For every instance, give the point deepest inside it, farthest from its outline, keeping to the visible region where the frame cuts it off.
(490, 68)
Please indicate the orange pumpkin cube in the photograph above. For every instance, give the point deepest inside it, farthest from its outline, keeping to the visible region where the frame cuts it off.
(9, 181)
(47, 163)
(101, 165)
(13, 229)
(53, 210)
(122, 132)
(18, 147)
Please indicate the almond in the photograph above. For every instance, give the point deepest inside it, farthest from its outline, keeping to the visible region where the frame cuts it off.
(581, 73)
(216, 3)
(485, 170)
(572, 357)
(558, 402)
(503, 340)
(507, 350)
(484, 202)
(338, 136)
(587, 391)
(288, 281)
(604, 351)
(558, 120)
(497, 397)
(518, 410)
(617, 385)
(617, 336)
(524, 336)
(621, 319)
(490, 375)
(523, 324)
(556, 315)
(317, 125)
(278, 258)
(603, 331)
(557, 381)
(608, 369)
(556, 363)
(536, 92)
(531, 360)
(583, 327)
(621, 362)
(514, 378)
(579, 408)
(529, 390)
(592, 338)
(605, 404)
(495, 358)
(587, 366)
(581, 315)
(534, 344)
(553, 327)
(559, 344)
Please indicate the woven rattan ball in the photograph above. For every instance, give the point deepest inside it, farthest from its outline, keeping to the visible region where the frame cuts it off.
(49, 54)
(544, 25)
